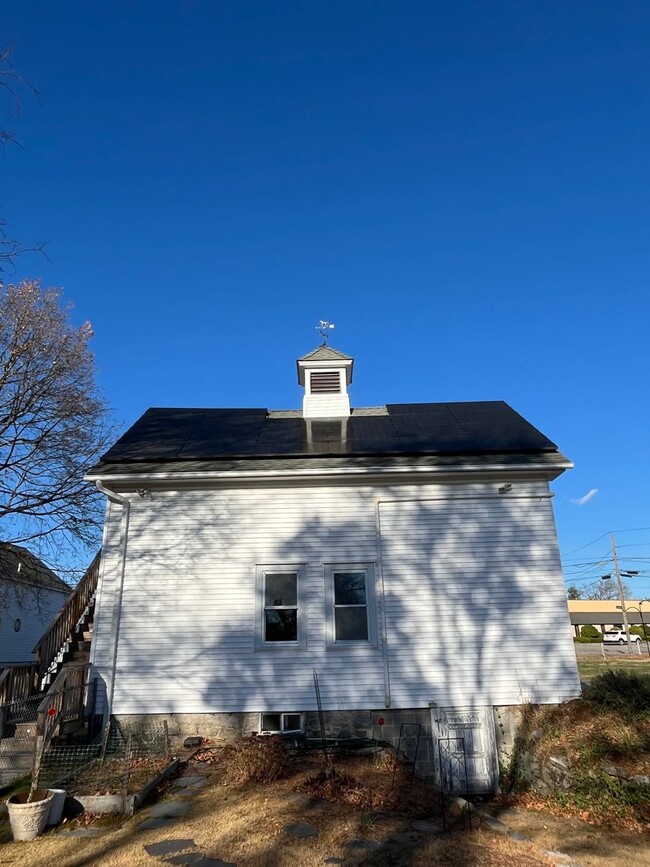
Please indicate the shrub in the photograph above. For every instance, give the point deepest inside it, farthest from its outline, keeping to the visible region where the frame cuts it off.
(257, 759)
(589, 631)
(625, 690)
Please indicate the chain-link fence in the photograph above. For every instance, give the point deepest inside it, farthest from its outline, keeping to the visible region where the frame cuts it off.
(119, 762)
(18, 720)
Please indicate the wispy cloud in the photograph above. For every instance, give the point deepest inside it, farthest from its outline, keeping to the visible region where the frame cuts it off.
(587, 497)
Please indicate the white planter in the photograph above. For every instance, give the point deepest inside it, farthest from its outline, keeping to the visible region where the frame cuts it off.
(56, 807)
(28, 819)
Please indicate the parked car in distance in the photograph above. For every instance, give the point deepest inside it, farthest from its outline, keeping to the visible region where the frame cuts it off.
(617, 636)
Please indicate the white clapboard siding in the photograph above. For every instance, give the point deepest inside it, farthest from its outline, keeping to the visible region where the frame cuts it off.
(479, 585)
(187, 624)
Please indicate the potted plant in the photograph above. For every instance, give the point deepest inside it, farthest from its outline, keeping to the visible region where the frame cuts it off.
(28, 812)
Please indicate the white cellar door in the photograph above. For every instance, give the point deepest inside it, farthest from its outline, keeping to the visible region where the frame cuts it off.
(465, 749)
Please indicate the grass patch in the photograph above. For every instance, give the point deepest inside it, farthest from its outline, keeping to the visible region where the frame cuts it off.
(592, 667)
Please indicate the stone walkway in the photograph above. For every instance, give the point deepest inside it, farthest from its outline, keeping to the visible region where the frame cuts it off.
(180, 852)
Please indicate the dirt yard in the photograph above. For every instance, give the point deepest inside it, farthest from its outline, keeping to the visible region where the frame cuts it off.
(246, 824)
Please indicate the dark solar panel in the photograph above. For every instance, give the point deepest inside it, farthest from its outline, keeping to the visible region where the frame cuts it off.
(221, 432)
(426, 428)
(281, 436)
(479, 427)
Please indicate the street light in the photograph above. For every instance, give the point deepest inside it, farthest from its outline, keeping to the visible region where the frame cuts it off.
(639, 609)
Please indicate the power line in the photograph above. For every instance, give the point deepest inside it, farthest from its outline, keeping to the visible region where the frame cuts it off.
(602, 536)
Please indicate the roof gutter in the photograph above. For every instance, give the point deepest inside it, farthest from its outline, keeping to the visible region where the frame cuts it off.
(116, 612)
(211, 475)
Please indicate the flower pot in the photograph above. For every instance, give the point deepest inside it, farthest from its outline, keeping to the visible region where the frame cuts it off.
(28, 819)
(56, 806)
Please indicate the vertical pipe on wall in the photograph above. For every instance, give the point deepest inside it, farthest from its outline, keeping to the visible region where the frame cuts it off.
(382, 607)
(116, 612)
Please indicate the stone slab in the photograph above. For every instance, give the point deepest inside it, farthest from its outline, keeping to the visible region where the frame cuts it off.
(169, 847)
(494, 824)
(301, 829)
(169, 809)
(186, 859)
(195, 782)
(405, 837)
(364, 845)
(152, 824)
(426, 827)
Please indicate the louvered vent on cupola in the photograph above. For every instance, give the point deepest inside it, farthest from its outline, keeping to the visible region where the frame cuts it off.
(325, 374)
(325, 382)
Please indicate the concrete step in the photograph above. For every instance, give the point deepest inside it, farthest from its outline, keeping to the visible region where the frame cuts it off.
(16, 747)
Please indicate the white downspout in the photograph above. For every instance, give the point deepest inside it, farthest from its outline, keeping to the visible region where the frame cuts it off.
(382, 620)
(117, 593)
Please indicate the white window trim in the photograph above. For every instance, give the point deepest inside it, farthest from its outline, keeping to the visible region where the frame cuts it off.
(260, 572)
(371, 605)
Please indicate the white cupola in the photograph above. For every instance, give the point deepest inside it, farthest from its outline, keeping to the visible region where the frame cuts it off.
(325, 374)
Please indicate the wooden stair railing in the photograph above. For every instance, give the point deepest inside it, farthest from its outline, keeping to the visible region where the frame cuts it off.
(18, 681)
(60, 631)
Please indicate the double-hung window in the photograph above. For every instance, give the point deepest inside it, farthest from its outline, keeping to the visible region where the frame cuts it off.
(281, 614)
(351, 604)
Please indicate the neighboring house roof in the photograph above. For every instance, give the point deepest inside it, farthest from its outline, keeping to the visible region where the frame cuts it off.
(325, 353)
(458, 432)
(19, 565)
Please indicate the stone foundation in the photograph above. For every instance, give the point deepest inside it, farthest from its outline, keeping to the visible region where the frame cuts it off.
(338, 724)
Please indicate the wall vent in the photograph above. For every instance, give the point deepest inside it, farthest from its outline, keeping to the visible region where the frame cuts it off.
(325, 382)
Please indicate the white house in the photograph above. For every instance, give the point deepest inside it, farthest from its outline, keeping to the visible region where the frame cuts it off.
(30, 597)
(407, 553)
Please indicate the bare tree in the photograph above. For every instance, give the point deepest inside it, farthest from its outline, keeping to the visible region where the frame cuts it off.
(605, 590)
(12, 86)
(54, 424)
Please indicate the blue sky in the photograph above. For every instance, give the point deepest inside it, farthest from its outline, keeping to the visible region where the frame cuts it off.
(462, 188)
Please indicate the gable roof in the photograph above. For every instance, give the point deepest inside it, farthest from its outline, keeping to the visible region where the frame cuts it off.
(19, 565)
(478, 428)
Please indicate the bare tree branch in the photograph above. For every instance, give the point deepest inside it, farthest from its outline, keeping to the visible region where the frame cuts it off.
(54, 423)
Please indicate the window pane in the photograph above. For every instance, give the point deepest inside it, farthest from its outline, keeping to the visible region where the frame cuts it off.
(281, 624)
(270, 722)
(280, 588)
(291, 722)
(351, 624)
(350, 588)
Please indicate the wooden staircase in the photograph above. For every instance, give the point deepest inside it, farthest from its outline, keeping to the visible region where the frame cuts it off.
(29, 692)
(69, 637)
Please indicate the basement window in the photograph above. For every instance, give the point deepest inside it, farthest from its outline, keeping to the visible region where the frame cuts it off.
(280, 723)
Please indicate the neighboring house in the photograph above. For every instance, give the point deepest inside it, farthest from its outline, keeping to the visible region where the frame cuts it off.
(31, 595)
(407, 553)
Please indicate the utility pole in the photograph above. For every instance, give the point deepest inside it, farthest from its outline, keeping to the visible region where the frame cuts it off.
(617, 572)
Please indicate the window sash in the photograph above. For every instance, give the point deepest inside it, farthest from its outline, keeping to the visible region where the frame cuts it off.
(351, 605)
(281, 616)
